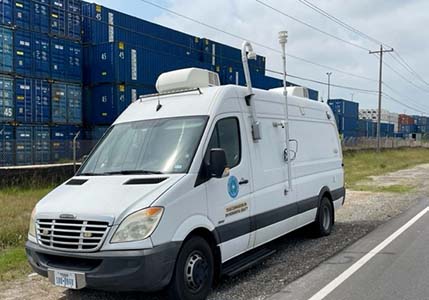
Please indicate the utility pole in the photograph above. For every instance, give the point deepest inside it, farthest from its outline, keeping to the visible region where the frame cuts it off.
(329, 84)
(380, 86)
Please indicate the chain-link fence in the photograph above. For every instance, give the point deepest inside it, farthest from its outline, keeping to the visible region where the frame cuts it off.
(14, 152)
(362, 143)
(18, 152)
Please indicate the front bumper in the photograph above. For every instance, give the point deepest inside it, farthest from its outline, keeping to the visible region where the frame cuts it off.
(133, 270)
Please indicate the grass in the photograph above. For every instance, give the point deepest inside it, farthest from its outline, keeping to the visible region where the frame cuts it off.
(16, 206)
(359, 165)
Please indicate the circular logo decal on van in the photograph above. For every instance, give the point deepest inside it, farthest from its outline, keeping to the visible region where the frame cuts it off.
(233, 187)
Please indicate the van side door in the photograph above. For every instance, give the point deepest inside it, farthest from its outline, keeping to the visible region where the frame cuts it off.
(229, 197)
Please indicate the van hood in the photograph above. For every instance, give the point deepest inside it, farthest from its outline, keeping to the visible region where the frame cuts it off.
(107, 198)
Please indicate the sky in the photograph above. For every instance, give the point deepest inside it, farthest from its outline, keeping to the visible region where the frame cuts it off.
(402, 25)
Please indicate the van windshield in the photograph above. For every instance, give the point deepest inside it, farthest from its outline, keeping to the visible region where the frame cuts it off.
(147, 147)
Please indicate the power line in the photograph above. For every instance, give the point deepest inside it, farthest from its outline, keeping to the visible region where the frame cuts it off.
(341, 23)
(418, 105)
(404, 104)
(407, 67)
(241, 38)
(398, 58)
(311, 26)
(324, 83)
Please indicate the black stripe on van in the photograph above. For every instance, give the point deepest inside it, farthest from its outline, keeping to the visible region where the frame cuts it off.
(241, 227)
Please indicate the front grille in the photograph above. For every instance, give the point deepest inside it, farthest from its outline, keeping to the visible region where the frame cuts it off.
(71, 235)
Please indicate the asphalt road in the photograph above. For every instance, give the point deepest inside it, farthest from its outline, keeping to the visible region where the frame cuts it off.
(400, 270)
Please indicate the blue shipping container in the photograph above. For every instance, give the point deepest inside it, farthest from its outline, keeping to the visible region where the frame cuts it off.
(41, 55)
(42, 144)
(408, 129)
(74, 19)
(66, 60)
(6, 50)
(7, 102)
(23, 53)
(103, 25)
(59, 103)
(24, 145)
(7, 145)
(62, 142)
(23, 14)
(58, 17)
(6, 12)
(40, 16)
(42, 101)
(23, 100)
(344, 108)
(104, 103)
(74, 104)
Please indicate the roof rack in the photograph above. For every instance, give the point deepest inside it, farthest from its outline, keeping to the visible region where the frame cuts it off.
(172, 93)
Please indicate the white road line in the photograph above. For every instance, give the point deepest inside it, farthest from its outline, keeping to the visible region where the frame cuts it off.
(361, 262)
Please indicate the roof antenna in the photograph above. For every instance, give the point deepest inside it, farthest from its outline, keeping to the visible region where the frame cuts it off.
(159, 106)
(283, 35)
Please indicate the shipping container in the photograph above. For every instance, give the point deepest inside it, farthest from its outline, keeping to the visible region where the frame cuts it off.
(407, 129)
(103, 25)
(222, 55)
(74, 19)
(42, 101)
(24, 94)
(42, 145)
(6, 50)
(7, 102)
(66, 60)
(104, 103)
(24, 145)
(41, 55)
(23, 53)
(40, 15)
(6, 12)
(62, 142)
(22, 14)
(7, 145)
(344, 108)
(386, 130)
(58, 18)
(74, 104)
(59, 103)
(405, 120)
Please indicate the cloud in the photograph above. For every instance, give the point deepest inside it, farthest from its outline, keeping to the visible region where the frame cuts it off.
(401, 24)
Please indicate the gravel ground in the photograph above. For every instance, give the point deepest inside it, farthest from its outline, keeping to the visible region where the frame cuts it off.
(297, 253)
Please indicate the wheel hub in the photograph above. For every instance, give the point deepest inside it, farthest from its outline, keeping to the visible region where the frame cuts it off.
(196, 271)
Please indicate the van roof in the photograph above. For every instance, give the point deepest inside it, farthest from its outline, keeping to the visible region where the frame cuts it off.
(202, 102)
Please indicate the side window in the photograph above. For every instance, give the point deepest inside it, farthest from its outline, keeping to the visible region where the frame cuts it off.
(226, 135)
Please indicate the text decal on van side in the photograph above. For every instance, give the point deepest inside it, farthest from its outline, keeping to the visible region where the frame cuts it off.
(233, 187)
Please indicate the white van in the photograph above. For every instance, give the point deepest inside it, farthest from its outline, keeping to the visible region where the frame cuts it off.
(181, 188)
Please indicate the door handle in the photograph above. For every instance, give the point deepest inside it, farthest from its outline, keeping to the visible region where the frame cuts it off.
(243, 181)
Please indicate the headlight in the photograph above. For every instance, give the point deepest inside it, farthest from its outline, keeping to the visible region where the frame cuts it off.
(32, 227)
(138, 225)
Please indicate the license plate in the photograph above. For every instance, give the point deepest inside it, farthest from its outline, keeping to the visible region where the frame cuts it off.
(65, 279)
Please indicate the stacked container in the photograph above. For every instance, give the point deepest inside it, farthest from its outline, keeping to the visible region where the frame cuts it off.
(40, 49)
(346, 114)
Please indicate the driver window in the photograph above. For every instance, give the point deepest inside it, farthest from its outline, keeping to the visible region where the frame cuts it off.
(226, 135)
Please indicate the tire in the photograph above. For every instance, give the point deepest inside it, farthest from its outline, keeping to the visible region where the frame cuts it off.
(325, 218)
(194, 271)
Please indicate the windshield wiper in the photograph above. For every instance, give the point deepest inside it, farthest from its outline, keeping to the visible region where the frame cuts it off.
(133, 172)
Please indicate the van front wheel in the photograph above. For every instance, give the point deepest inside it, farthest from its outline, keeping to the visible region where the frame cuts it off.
(324, 219)
(194, 271)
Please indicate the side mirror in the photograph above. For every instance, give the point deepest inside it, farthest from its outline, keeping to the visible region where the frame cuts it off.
(217, 163)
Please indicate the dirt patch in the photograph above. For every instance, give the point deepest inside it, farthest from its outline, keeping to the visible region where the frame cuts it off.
(297, 253)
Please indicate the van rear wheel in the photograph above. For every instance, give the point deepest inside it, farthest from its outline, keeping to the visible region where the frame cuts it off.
(324, 222)
(194, 271)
